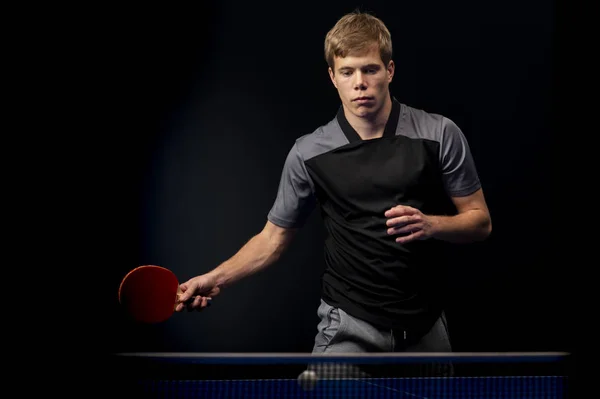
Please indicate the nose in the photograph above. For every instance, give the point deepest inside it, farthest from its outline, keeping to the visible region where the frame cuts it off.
(359, 81)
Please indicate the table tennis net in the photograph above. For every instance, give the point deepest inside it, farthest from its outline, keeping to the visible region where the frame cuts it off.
(414, 376)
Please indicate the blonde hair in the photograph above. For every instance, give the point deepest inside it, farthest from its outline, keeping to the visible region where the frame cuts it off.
(355, 33)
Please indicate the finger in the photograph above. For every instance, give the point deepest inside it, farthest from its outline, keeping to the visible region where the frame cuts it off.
(400, 210)
(194, 303)
(408, 229)
(402, 220)
(185, 297)
(409, 238)
(206, 301)
(185, 293)
(199, 303)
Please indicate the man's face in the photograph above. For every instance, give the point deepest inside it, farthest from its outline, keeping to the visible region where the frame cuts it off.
(362, 82)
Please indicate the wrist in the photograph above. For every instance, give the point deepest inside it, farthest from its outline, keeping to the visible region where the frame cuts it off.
(216, 276)
(436, 226)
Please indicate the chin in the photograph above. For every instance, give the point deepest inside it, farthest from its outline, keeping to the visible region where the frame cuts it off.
(365, 112)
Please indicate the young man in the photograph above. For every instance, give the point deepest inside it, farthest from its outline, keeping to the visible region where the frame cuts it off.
(395, 185)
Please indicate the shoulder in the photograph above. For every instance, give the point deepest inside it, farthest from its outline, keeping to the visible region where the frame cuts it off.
(322, 139)
(421, 115)
(426, 124)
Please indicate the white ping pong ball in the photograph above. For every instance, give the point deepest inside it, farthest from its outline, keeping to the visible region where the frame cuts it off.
(308, 380)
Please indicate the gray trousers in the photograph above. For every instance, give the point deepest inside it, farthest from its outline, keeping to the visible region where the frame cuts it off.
(338, 332)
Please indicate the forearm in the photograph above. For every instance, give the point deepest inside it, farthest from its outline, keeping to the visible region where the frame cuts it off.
(470, 226)
(258, 253)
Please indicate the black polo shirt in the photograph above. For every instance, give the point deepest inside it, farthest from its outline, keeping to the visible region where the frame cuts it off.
(421, 160)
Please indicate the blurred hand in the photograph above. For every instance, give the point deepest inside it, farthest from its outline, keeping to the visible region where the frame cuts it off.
(409, 221)
(197, 293)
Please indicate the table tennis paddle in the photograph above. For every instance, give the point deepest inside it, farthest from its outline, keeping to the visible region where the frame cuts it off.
(150, 293)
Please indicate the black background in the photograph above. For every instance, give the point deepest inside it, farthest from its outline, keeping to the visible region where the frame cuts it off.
(203, 105)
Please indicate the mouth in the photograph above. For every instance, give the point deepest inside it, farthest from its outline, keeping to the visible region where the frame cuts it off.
(363, 99)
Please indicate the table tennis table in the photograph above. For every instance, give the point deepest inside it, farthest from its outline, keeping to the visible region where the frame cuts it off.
(389, 375)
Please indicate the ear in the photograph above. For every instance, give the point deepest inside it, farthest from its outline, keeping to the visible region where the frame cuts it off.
(332, 77)
(390, 70)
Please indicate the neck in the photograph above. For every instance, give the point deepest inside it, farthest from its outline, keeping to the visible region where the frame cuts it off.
(371, 126)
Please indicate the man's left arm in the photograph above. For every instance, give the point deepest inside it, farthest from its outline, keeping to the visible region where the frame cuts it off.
(471, 223)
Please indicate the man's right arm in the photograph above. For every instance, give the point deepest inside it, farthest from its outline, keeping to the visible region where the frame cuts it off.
(293, 204)
(260, 251)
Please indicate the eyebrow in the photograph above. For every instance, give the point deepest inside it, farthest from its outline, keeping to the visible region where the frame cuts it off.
(362, 67)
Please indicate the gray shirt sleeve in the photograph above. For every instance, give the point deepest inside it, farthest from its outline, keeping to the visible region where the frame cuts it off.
(458, 167)
(295, 200)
